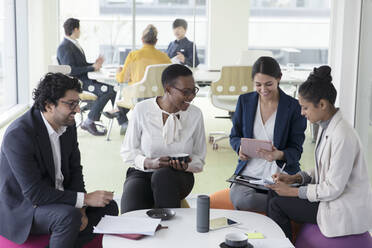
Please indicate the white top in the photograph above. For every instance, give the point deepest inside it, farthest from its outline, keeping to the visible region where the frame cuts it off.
(257, 167)
(144, 136)
(181, 231)
(56, 150)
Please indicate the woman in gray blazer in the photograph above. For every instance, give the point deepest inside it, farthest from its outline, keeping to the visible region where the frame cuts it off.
(338, 189)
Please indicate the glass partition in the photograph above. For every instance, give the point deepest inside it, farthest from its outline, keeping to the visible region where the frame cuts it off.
(8, 86)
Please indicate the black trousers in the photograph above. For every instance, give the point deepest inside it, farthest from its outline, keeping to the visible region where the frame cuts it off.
(104, 94)
(163, 188)
(63, 223)
(283, 209)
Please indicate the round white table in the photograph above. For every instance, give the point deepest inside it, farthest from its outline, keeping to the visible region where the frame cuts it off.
(181, 232)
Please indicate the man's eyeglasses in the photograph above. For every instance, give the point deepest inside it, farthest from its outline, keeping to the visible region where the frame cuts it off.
(187, 92)
(71, 104)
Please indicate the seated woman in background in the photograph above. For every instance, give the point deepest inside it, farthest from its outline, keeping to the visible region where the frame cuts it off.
(336, 195)
(161, 127)
(137, 61)
(266, 114)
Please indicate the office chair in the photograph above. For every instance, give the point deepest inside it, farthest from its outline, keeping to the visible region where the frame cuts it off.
(149, 86)
(224, 93)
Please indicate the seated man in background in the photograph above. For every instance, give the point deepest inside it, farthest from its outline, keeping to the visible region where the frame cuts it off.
(181, 50)
(42, 188)
(70, 53)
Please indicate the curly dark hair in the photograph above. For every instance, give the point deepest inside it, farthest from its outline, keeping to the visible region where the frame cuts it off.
(53, 87)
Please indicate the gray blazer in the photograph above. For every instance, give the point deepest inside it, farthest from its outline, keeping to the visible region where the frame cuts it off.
(27, 177)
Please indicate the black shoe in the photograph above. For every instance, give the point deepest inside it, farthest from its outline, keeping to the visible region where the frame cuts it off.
(91, 128)
(111, 115)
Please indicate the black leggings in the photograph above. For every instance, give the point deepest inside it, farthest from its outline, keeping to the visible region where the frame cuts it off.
(283, 209)
(163, 188)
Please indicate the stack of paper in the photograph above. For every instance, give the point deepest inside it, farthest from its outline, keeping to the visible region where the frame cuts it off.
(127, 225)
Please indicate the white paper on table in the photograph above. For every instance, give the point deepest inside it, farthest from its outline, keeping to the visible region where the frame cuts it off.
(268, 243)
(127, 225)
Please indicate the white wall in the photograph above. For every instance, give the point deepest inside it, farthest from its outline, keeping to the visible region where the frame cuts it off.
(364, 86)
(343, 53)
(228, 31)
(43, 37)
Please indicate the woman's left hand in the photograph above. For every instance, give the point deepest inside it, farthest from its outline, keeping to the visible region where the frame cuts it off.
(283, 189)
(176, 164)
(275, 154)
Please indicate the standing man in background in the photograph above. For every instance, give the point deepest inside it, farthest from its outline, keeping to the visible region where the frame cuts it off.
(70, 53)
(181, 50)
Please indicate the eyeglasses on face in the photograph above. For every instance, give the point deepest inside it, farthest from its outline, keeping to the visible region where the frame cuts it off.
(71, 104)
(187, 92)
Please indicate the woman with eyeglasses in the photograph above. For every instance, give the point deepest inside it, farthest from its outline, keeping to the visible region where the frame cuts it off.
(336, 194)
(161, 128)
(266, 114)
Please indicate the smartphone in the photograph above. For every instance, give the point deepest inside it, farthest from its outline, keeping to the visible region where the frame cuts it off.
(221, 222)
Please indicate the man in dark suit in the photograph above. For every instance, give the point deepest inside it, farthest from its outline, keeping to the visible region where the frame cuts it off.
(70, 53)
(41, 183)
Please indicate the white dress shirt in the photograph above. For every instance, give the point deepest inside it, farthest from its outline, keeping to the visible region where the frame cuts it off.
(258, 167)
(56, 149)
(144, 136)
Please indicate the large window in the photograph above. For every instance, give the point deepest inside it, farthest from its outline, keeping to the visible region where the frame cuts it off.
(8, 95)
(296, 31)
(107, 25)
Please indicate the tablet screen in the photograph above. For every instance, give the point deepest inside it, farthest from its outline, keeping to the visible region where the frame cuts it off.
(221, 222)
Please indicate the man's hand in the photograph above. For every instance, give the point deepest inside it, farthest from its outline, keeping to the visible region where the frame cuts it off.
(98, 63)
(99, 198)
(97, 66)
(156, 163)
(181, 57)
(283, 189)
(275, 154)
(242, 156)
(84, 219)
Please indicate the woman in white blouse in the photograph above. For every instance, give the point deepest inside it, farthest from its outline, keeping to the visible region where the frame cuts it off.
(160, 128)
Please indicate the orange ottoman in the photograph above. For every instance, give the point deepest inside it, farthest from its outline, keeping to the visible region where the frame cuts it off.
(221, 199)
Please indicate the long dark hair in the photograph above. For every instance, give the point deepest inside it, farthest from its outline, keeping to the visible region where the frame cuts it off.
(268, 66)
(319, 86)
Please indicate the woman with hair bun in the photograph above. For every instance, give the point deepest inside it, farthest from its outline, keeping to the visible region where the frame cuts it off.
(336, 195)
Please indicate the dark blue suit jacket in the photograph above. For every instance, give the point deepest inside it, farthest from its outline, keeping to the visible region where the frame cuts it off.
(27, 176)
(185, 47)
(288, 130)
(69, 54)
